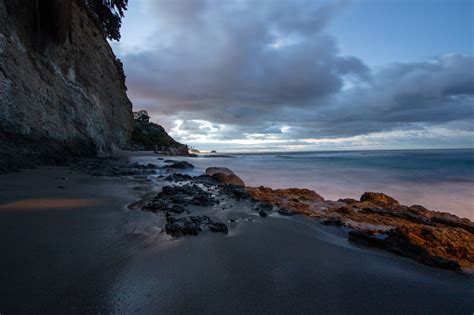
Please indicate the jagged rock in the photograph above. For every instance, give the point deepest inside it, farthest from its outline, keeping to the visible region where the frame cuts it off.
(178, 177)
(193, 225)
(187, 194)
(179, 165)
(224, 176)
(234, 192)
(379, 199)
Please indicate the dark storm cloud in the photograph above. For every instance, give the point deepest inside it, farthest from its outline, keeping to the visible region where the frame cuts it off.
(254, 67)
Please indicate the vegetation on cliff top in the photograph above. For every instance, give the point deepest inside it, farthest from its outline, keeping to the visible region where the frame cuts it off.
(152, 137)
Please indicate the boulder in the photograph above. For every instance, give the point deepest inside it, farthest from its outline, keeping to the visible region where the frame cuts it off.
(379, 199)
(224, 176)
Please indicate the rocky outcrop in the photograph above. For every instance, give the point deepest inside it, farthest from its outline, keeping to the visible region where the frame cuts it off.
(288, 201)
(224, 176)
(434, 238)
(148, 136)
(379, 199)
(63, 95)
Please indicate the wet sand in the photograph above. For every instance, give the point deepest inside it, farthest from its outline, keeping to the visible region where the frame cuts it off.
(69, 257)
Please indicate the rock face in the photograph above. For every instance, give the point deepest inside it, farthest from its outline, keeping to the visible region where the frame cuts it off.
(224, 176)
(56, 98)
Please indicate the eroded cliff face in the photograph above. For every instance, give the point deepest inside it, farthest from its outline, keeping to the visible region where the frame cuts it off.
(65, 97)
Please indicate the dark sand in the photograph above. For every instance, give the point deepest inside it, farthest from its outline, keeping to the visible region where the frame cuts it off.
(101, 257)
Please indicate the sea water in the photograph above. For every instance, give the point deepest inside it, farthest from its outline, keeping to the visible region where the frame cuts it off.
(441, 180)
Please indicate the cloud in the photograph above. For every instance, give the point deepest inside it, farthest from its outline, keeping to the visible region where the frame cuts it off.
(267, 71)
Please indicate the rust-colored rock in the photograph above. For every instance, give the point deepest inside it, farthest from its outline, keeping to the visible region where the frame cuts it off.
(295, 200)
(437, 239)
(379, 199)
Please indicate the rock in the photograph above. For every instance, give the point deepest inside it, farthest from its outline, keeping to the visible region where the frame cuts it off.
(179, 165)
(178, 177)
(56, 103)
(112, 167)
(441, 248)
(206, 180)
(234, 192)
(262, 214)
(186, 194)
(224, 176)
(184, 226)
(333, 221)
(263, 206)
(193, 225)
(453, 221)
(285, 212)
(294, 200)
(218, 227)
(379, 199)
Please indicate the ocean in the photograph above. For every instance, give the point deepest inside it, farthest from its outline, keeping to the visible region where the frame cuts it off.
(441, 180)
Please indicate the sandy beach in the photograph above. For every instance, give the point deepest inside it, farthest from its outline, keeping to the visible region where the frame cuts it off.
(81, 250)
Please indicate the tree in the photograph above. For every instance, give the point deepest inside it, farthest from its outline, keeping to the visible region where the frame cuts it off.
(109, 14)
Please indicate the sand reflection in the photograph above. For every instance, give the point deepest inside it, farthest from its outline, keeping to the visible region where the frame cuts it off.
(51, 203)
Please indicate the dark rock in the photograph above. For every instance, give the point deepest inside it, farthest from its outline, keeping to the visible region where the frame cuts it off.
(206, 180)
(193, 225)
(263, 206)
(234, 192)
(262, 214)
(285, 212)
(187, 194)
(184, 226)
(112, 167)
(218, 227)
(333, 221)
(179, 165)
(178, 177)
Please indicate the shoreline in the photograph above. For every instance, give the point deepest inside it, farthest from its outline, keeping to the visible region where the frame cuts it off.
(437, 239)
(242, 270)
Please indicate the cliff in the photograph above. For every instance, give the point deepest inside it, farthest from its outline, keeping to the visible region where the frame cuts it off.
(62, 90)
(153, 137)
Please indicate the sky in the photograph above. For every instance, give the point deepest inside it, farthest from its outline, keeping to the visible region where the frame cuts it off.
(275, 75)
